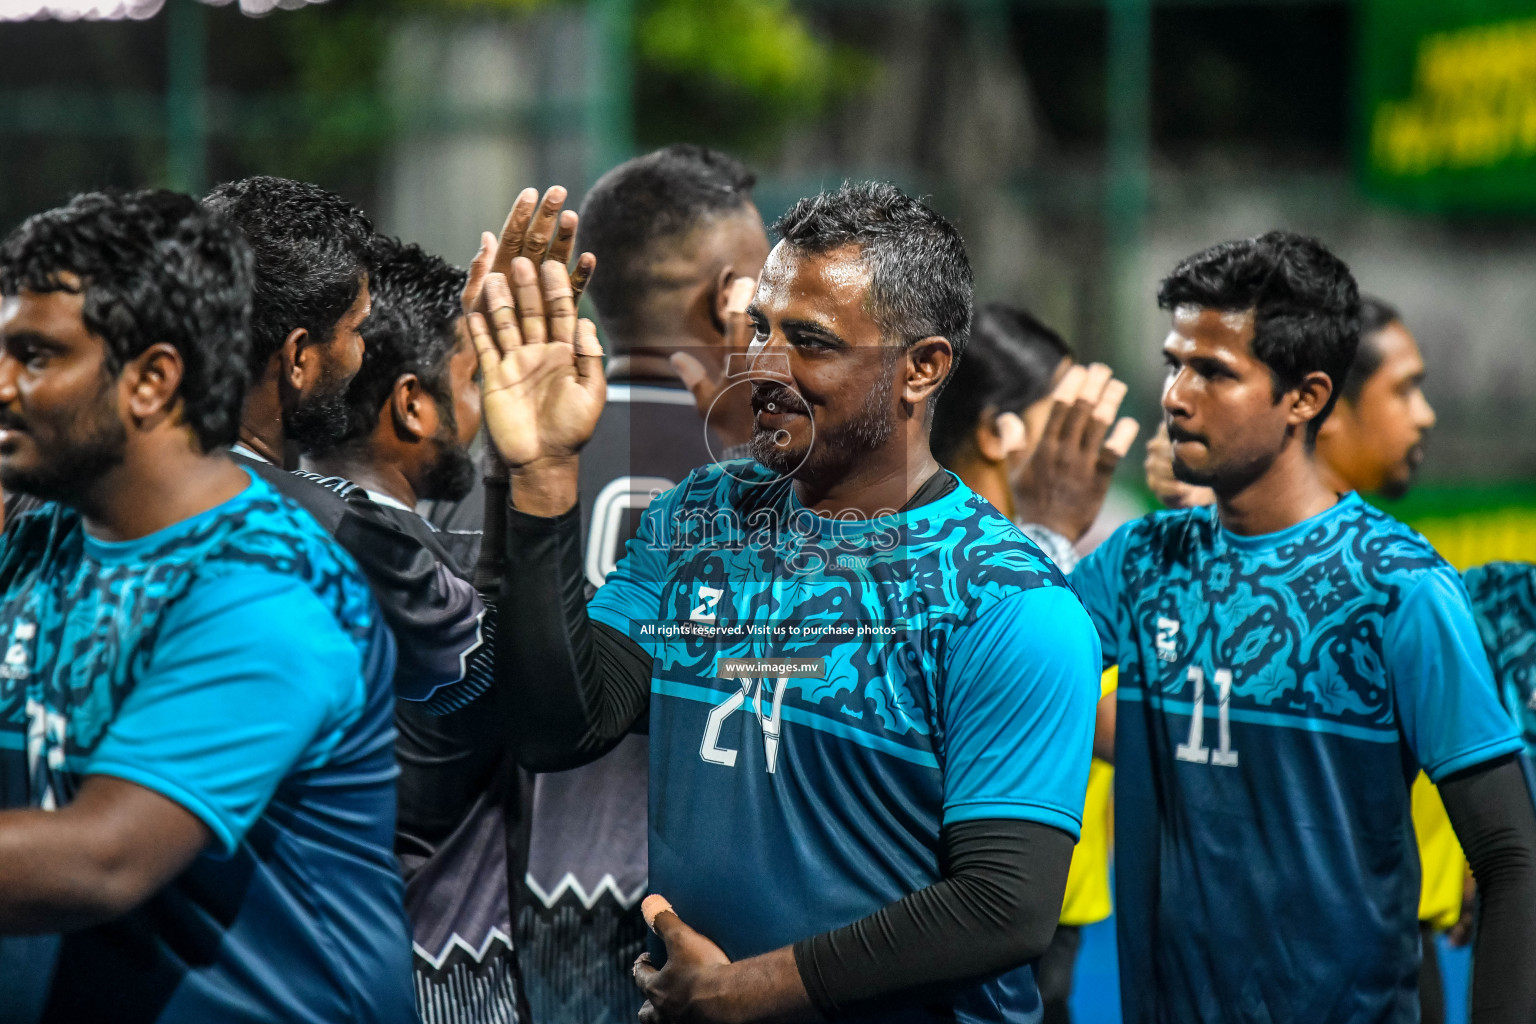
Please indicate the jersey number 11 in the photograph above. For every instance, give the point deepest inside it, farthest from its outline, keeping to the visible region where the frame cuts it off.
(1196, 750)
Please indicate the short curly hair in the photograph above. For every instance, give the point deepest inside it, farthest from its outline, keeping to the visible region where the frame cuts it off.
(411, 330)
(1305, 303)
(152, 266)
(312, 257)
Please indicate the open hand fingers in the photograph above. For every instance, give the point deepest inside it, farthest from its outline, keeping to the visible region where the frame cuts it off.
(589, 353)
(469, 298)
(530, 302)
(1120, 439)
(1103, 416)
(541, 230)
(485, 345)
(586, 263)
(1080, 428)
(1063, 399)
(565, 238)
(500, 312)
(559, 301)
(512, 231)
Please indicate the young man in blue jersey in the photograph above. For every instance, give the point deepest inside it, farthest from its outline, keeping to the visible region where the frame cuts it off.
(1373, 442)
(199, 797)
(879, 824)
(1288, 658)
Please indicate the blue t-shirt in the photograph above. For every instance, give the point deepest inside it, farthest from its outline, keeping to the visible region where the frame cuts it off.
(1277, 696)
(236, 664)
(957, 681)
(1504, 603)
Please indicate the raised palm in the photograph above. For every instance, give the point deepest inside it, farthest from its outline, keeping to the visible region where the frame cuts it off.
(541, 368)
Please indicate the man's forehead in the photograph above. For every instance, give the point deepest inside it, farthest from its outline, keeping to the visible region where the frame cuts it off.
(1398, 348)
(1204, 325)
(836, 270)
(55, 313)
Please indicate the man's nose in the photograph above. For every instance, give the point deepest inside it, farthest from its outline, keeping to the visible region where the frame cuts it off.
(1175, 395)
(9, 369)
(1423, 412)
(768, 360)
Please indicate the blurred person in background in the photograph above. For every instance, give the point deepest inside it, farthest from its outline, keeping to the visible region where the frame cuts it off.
(199, 796)
(1373, 443)
(410, 414)
(1244, 608)
(991, 416)
(679, 244)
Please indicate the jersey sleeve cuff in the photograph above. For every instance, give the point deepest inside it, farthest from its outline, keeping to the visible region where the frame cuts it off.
(1018, 810)
(1471, 758)
(184, 798)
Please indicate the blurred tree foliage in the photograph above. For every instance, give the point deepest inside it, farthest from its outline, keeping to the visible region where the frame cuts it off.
(736, 73)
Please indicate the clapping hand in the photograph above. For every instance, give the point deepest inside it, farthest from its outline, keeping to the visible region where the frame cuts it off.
(1061, 485)
(542, 381)
(537, 231)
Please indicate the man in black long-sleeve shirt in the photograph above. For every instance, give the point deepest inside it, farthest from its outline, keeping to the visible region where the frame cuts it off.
(869, 749)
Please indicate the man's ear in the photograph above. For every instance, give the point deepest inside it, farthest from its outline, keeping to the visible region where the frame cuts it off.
(1311, 395)
(719, 297)
(1000, 435)
(928, 362)
(151, 383)
(294, 353)
(412, 409)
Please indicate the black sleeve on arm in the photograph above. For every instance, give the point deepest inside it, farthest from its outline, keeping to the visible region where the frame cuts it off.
(1490, 807)
(577, 686)
(995, 909)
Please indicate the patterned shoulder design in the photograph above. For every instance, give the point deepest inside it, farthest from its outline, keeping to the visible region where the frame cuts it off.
(1504, 605)
(1301, 621)
(31, 538)
(83, 666)
(272, 533)
(972, 557)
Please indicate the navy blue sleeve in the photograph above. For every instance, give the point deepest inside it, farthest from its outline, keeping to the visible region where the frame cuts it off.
(437, 618)
(1020, 696)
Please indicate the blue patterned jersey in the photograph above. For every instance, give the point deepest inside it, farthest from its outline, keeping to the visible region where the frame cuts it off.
(953, 677)
(1278, 694)
(1504, 602)
(236, 664)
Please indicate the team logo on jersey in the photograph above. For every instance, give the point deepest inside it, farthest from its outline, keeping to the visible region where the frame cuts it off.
(16, 664)
(708, 597)
(1167, 639)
